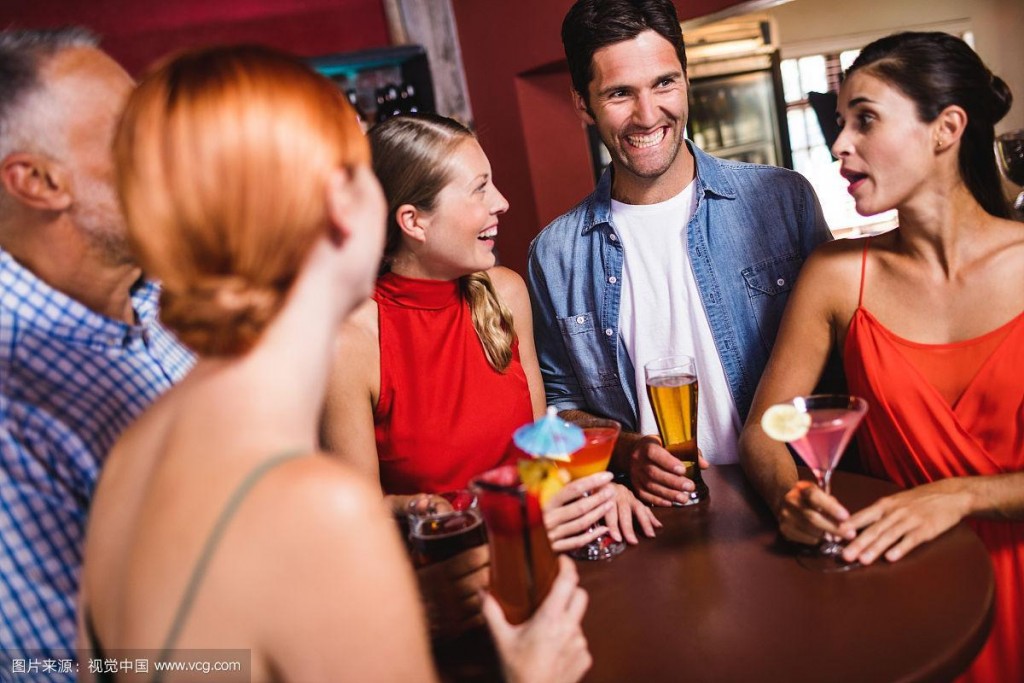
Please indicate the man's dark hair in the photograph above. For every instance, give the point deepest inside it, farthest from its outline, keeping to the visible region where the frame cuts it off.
(593, 24)
(22, 54)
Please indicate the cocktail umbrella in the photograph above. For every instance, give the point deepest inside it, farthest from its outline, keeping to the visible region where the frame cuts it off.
(549, 437)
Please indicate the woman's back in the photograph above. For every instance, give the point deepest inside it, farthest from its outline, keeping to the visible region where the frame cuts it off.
(305, 522)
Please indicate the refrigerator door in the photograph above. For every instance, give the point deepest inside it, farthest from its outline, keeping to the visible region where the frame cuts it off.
(735, 116)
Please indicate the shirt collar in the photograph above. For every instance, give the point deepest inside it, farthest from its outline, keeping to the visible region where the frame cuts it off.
(54, 313)
(710, 179)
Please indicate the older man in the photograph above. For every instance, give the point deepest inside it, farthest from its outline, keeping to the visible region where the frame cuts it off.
(81, 352)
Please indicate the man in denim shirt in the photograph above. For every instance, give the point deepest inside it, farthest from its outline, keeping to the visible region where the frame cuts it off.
(674, 252)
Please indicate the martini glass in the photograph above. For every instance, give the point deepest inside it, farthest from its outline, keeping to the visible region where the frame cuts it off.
(834, 419)
(1010, 150)
(599, 436)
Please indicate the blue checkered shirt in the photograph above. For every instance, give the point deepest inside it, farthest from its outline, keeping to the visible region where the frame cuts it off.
(71, 380)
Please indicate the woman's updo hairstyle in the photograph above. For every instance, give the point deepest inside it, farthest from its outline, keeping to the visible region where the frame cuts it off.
(937, 70)
(223, 156)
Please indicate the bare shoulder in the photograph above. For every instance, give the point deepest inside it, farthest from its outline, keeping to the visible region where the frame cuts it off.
(509, 285)
(362, 325)
(1010, 234)
(330, 499)
(358, 347)
(838, 261)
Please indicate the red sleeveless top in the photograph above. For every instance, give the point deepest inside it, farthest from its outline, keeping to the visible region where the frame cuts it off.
(914, 433)
(444, 414)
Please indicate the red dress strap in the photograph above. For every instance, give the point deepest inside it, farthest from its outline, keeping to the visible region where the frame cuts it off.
(863, 267)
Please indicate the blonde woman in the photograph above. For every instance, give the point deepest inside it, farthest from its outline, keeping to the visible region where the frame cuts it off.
(248, 192)
(438, 370)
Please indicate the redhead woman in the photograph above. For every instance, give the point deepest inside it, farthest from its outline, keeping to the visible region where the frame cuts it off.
(438, 370)
(248, 191)
(930, 322)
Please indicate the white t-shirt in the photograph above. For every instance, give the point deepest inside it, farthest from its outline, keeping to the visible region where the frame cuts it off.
(661, 314)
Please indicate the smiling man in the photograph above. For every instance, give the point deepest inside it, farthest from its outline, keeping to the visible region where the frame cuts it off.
(675, 252)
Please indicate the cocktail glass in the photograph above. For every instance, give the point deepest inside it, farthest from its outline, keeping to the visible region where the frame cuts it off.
(1010, 150)
(523, 565)
(834, 419)
(599, 441)
(443, 525)
(673, 389)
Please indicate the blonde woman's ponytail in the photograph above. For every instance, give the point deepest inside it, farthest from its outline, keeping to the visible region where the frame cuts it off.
(491, 319)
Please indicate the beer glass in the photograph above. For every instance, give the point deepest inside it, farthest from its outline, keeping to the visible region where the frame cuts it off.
(523, 566)
(443, 525)
(672, 388)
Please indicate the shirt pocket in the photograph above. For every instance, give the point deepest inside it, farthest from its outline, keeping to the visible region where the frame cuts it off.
(768, 285)
(591, 355)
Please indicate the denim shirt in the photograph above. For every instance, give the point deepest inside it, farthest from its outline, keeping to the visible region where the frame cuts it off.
(752, 229)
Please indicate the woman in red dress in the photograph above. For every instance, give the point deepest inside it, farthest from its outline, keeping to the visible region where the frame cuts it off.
(930, 321)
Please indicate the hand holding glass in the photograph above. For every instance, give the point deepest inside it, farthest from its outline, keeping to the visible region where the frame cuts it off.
(593, 457)
(672, 388)
(523, 566)
(820, 443)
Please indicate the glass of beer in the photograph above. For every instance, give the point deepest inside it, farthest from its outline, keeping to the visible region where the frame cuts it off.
(443, 525)
(672, 388)
(523, 566)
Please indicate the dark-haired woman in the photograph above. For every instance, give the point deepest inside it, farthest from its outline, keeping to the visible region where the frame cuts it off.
(930, 322)
(440, 368)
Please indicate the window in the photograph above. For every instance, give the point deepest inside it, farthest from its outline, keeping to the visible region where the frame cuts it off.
(800, 76)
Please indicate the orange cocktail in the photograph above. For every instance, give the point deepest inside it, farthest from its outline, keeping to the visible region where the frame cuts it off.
(599, 438)
(595, 454)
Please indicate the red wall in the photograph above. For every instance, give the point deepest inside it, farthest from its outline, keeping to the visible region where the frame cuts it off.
(136, 32)
(519, 90)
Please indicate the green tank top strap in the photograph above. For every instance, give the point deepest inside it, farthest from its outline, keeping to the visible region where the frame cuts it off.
(192, 588)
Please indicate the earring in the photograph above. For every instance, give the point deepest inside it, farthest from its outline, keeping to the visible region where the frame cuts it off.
(938, 145)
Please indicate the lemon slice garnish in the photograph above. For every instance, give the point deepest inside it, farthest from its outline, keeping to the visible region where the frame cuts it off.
(542, 477)
(785, 422)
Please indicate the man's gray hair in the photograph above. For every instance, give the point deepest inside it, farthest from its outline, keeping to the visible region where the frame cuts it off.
(22, 55)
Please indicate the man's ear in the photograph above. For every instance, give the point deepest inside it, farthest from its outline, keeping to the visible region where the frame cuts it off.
(36, 181)
(581, 107)
(412, 222)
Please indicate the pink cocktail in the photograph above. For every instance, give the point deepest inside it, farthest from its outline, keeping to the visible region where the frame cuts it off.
(834, 419)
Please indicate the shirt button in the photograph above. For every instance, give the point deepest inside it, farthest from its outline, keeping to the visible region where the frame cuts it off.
(780, 282)
(580, 320)
(609, 332)
(613, 279)
(613, 237)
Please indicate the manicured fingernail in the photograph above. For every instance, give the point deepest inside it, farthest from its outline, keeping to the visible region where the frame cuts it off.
(679, 469)
(682, 498)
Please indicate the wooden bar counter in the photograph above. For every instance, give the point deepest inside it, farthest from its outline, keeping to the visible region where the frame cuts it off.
(719, 597)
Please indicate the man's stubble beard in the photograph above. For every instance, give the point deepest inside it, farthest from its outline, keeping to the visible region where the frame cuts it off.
(97, 213)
